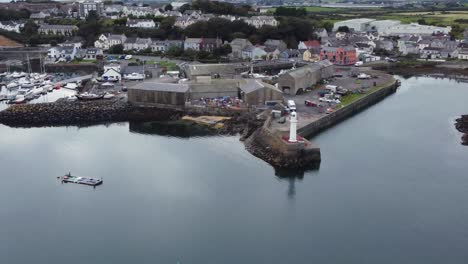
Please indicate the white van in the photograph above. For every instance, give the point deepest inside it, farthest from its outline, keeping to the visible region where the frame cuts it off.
(291, 105)
(331, 88)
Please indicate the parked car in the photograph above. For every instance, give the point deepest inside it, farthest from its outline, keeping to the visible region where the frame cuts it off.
(128, 57)
(309, 103)
(358, 63)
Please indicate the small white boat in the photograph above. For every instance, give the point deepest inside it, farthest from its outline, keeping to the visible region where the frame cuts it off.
(72, 98)
(48, 87)
(71, 86)
(107, 84)
(36, 91)
(12, 85)
(134, 76)
(108, 96)
(19, 99)
(89, 96)
(27, 85)
(18, 74)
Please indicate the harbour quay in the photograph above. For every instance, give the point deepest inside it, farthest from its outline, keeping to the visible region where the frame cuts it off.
(274, 112)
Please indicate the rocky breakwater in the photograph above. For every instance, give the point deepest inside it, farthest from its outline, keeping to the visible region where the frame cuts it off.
(462, 126)
(81, 113)
(271, 146)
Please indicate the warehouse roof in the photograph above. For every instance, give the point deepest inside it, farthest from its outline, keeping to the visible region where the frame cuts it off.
(162, 87)
(251, 85)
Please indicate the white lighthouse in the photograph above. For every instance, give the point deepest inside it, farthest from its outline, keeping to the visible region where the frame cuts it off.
(293, 127)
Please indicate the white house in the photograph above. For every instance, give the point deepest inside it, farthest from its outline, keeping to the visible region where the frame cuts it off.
(111, 73)
(193, 43)
(68, 53)
(11, 26)
(137, 43)
(260, 21)
(254, 53)
(463, 55)
(141, 23)
(92, 54)
(105, 41)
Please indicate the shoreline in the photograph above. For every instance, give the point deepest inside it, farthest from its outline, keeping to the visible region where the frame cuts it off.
(461, 124)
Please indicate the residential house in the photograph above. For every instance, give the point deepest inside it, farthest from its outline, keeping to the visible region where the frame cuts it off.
(66, 30)
(321, 33)
(105, 41)
(309, 45)
(138, 11)
(273, 53)
(275, 44)
(237, 45)
(68, 53)
(193, 44)
(205, 44)
(437, 43)
(74, 43)
(424, 44)
(290, 54)
(412, 39)
(193, 13)
(408, 48)
(39, 16)
(92, 54)
(87, 6)
(112, 11)
(431, 53)
(260, 21)
(14, 26)
(363, 48)
(165, 45)
(311, 55)
(142, 23)
(254, 53)
(463, 54)
(342, 55)
(386, 45)
(137, 44)
(465, 34)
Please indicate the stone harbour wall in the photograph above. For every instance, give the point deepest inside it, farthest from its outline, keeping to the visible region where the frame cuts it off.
(81, 113)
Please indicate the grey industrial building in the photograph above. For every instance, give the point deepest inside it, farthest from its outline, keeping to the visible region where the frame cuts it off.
(175, 95)
(296, 81)
(192, 71)
(159, 94)
(256, 92)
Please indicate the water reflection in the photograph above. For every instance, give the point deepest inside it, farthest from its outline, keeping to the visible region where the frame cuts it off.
(179, 129)
(293, 175)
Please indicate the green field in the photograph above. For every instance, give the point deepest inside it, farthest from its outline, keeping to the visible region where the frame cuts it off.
(448, 18)
(315, 9)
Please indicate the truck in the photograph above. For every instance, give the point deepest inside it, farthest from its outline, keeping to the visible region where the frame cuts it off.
(291, 105)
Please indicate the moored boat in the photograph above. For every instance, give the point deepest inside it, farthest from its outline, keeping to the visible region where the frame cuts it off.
(68, 178)
(89, 96)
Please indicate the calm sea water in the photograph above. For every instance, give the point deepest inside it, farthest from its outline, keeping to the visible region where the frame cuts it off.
(392, 188)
